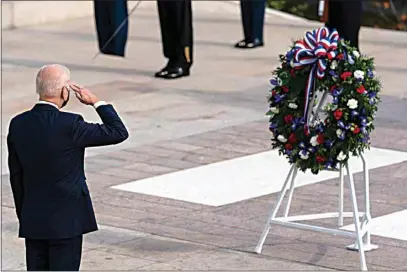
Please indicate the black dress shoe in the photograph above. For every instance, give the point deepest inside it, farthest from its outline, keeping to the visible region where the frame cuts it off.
(241, 44)
(244, 44)
(172, 72)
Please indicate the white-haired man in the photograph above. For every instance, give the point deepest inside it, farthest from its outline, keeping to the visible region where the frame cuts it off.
(46, 161)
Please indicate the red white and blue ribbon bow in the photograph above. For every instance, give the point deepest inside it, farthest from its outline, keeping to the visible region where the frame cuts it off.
(317, 45)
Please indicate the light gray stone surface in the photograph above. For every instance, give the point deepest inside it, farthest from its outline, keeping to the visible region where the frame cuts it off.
(215, 114)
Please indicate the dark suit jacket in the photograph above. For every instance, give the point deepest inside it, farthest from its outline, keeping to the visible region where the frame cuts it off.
(46, 161)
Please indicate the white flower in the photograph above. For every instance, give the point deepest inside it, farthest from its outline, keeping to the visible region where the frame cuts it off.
(358, 74)
(356, 54)
(281, 138)
(274, 110)
(313, 141)
(304, 155)
(279, 81)
(338, 132)
(341, 156)
(334, 64)
(292, 63)
(292, 106)
(352, 103)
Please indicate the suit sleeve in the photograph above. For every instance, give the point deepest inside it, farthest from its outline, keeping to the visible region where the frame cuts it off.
(112, 131)
(16, 176)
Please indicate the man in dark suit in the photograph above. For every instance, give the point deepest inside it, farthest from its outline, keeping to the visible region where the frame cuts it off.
(46, 160)
(346, 17)
(252, 12)
(177, 37)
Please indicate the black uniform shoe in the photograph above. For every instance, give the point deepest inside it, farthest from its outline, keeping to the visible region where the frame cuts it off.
(244, 44)
(172, 72)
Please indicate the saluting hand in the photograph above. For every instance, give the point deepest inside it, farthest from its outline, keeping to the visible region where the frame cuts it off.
(84, 95)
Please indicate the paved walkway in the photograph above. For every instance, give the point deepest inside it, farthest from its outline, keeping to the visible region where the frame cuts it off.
(215, 115)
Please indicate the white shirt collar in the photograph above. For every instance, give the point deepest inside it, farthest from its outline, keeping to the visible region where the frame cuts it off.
(47, 103)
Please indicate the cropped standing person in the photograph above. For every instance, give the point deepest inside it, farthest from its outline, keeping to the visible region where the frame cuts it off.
(177, 37)
(346, 17)
(252, 12)
(46, 161)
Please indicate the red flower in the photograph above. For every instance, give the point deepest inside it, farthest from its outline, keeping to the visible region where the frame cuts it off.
(285, 89)
(320, 159)
(292, 73)
(273, 93)
(292, 139)
(338, 114)
(345, 75)
(288, 119)
(320, 138)
(288, 146)
(356, 130)
(361, 89)
(340, 56)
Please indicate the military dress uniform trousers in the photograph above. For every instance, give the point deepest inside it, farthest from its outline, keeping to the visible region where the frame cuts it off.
(252, 12)
(176, 31)
(346, 17)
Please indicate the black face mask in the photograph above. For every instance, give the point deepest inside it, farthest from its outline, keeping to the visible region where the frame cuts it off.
(65, 101)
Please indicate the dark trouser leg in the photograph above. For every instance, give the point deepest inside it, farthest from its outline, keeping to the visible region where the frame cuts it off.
(108, 17)
(246, 11)
(176, 31)
(168, 30)
(346, 17)
(259, 7)
(37, 255)
(65, 254)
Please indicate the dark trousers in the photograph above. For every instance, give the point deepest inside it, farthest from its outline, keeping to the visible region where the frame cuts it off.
(54, 255)
(346, 17)
(252, 12)
(176, 31)
(108, 17)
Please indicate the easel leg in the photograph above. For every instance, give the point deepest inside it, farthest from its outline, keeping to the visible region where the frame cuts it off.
(292, 173)
(367, 218)
(290, 193)
(340, 215)
(355, 209)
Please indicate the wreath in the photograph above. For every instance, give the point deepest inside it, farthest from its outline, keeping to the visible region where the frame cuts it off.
(323, 100)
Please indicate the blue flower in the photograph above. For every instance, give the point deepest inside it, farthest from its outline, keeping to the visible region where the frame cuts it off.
(333, 74)
(363, 121)
(312, 149)
(354, 113)
(278, 98)
(341, 124)
(371, 94)
(372, 101)
(273, 125)
(370, 73)
(301, 145)
(328, 143)
(296, 123)
(337, 92)
(274, 82)
(335, 100)
(342, 136)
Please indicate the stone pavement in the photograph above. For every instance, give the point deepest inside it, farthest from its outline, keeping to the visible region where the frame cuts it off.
(215, 115)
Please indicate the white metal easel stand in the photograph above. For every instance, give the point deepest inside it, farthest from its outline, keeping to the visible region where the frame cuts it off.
(362, 232)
